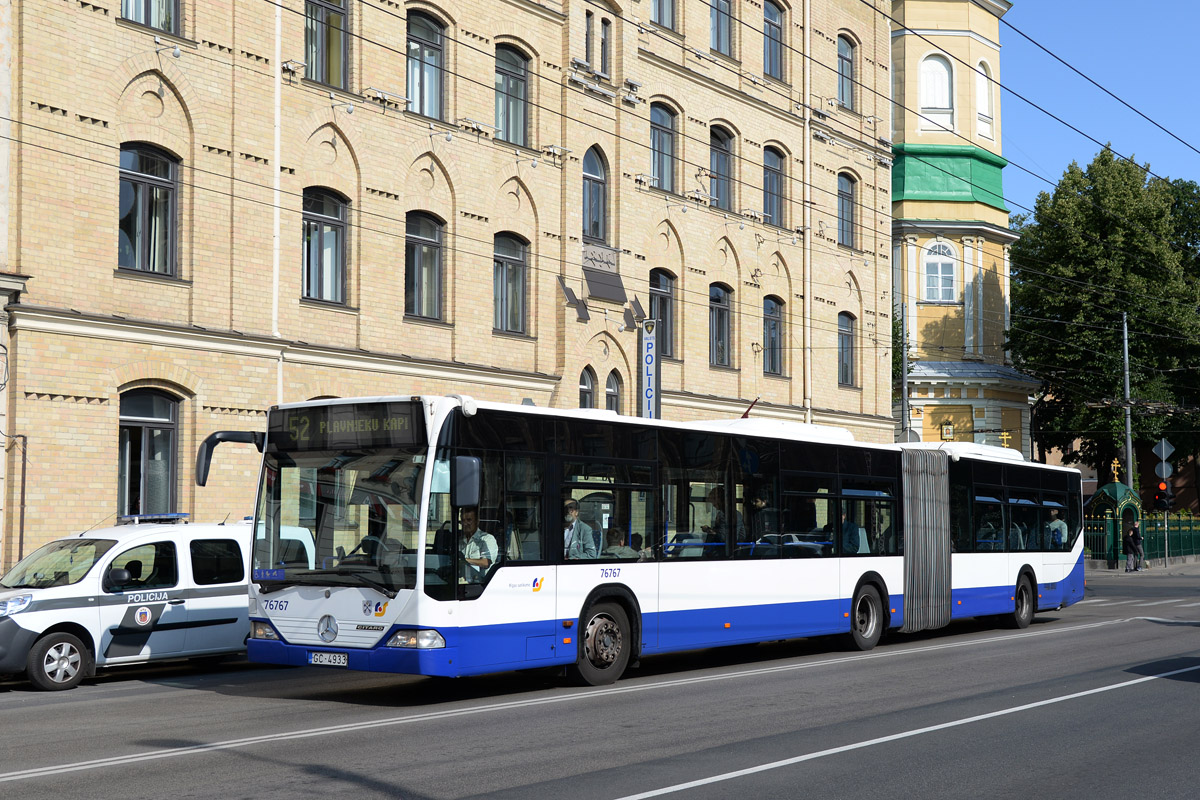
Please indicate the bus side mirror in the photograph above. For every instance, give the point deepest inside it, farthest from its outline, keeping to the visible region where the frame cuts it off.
(204, 454)
(465, 476)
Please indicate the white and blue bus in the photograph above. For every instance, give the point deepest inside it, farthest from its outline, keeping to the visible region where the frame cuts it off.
(455, 537)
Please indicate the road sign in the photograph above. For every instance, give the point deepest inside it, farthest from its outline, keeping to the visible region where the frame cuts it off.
(1163, 470)
(1163, 449)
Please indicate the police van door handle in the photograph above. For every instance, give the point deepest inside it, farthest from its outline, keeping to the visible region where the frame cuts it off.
(175, 602)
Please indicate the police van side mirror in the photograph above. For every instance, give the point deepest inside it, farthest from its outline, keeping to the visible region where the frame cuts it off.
(465, 477)
(117, 577)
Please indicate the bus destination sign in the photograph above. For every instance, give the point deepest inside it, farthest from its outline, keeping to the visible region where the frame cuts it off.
(350, 426)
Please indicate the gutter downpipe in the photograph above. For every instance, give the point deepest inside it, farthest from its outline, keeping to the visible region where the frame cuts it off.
(808, 234)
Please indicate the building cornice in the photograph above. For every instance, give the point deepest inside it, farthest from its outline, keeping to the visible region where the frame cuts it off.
(959, 228)
(934, 33)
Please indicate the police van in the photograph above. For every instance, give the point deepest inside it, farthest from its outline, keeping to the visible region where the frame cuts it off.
(152, 589)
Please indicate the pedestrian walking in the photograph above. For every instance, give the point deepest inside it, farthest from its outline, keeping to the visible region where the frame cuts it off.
(1127, 549)
(1139, 553)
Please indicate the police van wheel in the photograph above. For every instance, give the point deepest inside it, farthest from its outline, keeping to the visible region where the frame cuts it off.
(604, 645)
(58, 661)
(1023, 605)
(866, 618)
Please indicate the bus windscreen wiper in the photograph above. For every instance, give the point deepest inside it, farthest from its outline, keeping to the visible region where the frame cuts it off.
(348, 573)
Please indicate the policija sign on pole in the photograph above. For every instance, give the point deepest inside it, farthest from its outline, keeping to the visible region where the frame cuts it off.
(649, 383)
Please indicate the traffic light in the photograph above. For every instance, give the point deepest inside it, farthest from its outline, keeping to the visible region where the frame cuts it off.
(1163, 496)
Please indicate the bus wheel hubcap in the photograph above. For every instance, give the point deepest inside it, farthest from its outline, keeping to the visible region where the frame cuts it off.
(602, 644)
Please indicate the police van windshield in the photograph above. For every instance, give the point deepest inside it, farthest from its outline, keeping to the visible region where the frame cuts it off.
(60, 563)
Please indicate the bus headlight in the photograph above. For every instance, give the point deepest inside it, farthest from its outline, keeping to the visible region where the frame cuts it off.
(15, 604)
(419, 639)
(263, 630)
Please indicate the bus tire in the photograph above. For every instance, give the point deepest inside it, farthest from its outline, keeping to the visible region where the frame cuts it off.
(604, 645)
(57, 661)
(866, 618)
(1023, 604)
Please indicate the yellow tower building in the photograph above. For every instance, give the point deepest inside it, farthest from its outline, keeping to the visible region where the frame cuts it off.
(950, 234)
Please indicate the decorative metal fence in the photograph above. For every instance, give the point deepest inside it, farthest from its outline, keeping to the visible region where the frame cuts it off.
(1102, 538)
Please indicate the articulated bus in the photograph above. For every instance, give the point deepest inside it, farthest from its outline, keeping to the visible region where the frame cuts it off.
(452, 537)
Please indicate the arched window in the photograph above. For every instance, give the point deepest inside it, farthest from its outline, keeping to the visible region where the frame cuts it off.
(772, 336)
(612, 392)
(720, 168)
(423, 266)
(845, 60)
(325, 42)
(936, 94)
(983, 101)
(662, 146)
(512, 96)
(162, 15)
(146, 230)
(846, 200)
(508, 283)
(772, 186)
(662, 308)
(146, 457)
(845, 349)
(595, 196)
(426, 62)
(324, 246)
(721, 26)
(587, 388)
(772, 40)
(718, 325)
(939, 273)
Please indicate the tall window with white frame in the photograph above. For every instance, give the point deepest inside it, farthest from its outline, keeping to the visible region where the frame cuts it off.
(423, 266)
(845, 349)
(773, 187)
(935, 94)
(939, 273)
(324, 218)
(772, 336)
(662, 12)
(720, 168)
(719, 305)
(772, 40)
(595, 197)
(721, 26)
(161, 15)
(146, 452)
(587, 388)
(512, 96)
(612, 392)
(325, 40)
(983, 101)
(662, 309)
(146, 228)
(426, 65)
(845, 61)
(662, 146)
(508, 283)
(845, 209)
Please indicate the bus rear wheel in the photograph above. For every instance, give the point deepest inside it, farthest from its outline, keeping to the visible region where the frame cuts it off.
(1022, 604)
(604, 645)
(866, 618)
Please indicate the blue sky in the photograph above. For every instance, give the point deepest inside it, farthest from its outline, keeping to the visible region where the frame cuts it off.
(1139, 51)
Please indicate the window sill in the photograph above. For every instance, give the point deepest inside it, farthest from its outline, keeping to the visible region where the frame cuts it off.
(780, 82)
(778, 376)
(153, 277)
(520, 337)
(850, 387)
(718, 55)
(327, 305)
(666, 30)
(950, 303)
(724, 368)
(171, 36)
(330, 87)
(431, 321)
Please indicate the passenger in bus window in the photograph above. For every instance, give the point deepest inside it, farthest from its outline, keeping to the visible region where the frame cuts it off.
(718, 531)
(615, 546)
(854, 538)
(577, 535)
(478, 548)
(1057, 530)
(765, 518)
(644, 553)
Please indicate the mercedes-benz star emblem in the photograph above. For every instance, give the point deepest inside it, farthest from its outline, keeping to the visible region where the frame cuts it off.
(327, 628)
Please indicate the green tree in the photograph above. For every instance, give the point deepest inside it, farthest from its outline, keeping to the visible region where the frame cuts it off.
(1105, 241)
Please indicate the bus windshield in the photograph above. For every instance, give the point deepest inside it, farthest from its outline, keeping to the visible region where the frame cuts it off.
(344, 515)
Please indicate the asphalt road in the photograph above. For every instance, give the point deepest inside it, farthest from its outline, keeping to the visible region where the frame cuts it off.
(1097, 701)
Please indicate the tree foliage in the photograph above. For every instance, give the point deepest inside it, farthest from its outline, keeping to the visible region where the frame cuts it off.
(1109, 239)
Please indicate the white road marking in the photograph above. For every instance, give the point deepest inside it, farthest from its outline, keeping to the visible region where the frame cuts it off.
(787, 762)
(1189, 605)
(585, 694)
(1158, 602)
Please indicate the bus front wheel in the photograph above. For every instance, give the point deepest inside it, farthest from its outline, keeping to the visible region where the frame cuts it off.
(604, 645)
(1022, 604)
(866, 618)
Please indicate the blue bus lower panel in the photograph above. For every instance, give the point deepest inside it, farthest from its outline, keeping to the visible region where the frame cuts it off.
(498, 648)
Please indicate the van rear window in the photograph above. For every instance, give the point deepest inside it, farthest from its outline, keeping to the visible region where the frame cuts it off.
(217, 561)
